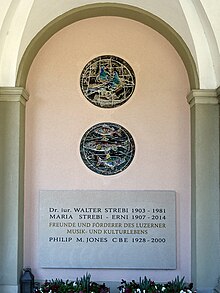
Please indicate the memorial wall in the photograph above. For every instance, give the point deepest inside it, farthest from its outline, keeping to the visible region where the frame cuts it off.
(107, 155)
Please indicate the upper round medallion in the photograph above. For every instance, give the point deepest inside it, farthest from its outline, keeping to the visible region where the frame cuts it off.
(107, 81)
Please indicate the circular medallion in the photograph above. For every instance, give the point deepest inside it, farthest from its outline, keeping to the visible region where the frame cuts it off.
(107, 81)
(107, 148)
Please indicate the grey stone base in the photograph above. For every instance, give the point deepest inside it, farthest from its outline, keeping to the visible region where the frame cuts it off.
(205, 290)
(112, 285)
(9, 289)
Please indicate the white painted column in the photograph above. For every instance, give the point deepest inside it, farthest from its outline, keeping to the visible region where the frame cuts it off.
(12, 115)
(205, 188)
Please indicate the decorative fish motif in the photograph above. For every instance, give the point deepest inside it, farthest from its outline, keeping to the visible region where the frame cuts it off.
(106, 147)
(110, 162)
(107, 130)
(101, 147)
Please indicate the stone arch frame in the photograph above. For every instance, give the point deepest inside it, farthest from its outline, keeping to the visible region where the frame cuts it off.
(107, 9)
(204, 116)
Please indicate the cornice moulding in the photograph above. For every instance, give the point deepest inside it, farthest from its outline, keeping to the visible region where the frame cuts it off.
(218, 92)
(14, 94)
(209, 97)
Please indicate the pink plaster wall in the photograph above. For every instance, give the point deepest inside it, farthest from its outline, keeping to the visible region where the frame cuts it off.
(157, 116)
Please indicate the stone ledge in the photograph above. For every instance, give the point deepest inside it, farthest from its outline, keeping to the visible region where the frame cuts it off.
(209, 97)
(14, 94)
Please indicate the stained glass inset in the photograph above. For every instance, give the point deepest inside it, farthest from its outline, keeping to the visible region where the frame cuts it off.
(107, 148)
(107, 81)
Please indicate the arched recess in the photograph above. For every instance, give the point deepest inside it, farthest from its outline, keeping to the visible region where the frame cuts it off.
(205, 133)
(108, 9)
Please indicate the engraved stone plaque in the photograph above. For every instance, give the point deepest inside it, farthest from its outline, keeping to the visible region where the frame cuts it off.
(107, 229)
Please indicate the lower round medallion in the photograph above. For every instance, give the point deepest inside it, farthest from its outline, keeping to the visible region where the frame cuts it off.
(107, 148)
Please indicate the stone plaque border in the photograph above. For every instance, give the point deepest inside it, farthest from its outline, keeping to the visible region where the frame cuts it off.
(120, 229)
